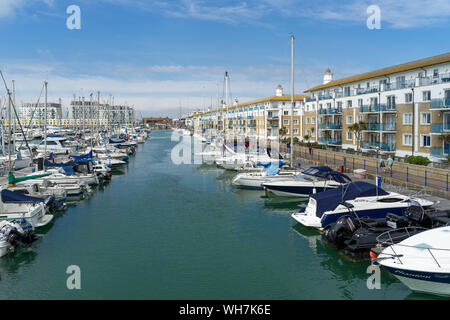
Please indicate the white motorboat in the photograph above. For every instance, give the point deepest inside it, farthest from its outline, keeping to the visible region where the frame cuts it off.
(421, 262)
(59, 176)
(37, 190)
(364, 199)
(17, 207)
(310, 181)
(57, 145)
(255, 180)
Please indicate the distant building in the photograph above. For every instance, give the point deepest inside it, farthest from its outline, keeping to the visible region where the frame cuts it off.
(37, 112)
(107, 114)
(158, 121)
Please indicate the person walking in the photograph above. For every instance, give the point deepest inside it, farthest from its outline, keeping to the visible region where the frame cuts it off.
(390, 163)
(310, 149)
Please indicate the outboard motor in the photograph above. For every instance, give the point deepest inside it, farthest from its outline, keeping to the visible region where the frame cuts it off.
(336, 234)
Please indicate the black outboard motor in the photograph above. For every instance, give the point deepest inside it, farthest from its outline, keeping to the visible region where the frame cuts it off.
(25, 239)
(337, 233)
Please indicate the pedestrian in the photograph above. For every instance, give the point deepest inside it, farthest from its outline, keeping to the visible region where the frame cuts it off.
(310, 149)
(390, 163)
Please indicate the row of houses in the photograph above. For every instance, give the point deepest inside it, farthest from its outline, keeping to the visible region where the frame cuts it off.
(402, 109)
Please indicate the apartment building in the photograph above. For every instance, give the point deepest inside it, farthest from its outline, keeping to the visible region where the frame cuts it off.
(405, 108)
(90, 111)
(261, 118)
(35, 113)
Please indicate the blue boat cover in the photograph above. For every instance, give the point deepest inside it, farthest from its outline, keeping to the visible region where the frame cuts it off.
(319, 171)
(9, 196)
(83, 157)
(54, 164)
(328, 200)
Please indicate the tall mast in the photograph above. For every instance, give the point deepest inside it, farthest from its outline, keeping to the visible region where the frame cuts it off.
(84, 116)
(45, 123)
(98, 113)
(292, 100)
(14, 104)
(9, 130)
(226, 95)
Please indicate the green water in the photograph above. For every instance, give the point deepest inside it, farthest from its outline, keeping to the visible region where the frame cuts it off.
(162, 231)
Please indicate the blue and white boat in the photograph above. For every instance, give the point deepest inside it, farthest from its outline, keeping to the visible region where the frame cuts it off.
(421, 262)
(312, 180)
(365, 199)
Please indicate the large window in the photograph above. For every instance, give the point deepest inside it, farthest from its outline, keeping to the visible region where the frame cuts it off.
(408, 97)
(425, 118)
(447, 121)
(426, 141)
(349, 119)
(426, 95)
(407, 139)
(407, 118)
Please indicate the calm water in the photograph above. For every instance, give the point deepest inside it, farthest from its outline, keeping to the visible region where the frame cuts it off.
(161, 231)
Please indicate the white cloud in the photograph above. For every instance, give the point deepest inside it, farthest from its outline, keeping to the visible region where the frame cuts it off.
(9, 7)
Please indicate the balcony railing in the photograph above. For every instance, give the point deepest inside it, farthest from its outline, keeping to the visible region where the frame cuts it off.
(330, 111)
(330, 141)
(367, 90)
(325, 97)
(330, 126)
(310, 99)
(440, 104)
(382, 146)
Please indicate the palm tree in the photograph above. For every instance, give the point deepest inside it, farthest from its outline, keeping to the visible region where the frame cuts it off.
(357, 129)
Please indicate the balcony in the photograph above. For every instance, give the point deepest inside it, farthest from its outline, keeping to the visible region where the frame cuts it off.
(271, 116)
(330, 141)
(367, 90)
(330, 126)
(440, 104)
(439, 128)
(383, 146)
(330, 111)
(325, 97)
(375, 108)
(310, 99)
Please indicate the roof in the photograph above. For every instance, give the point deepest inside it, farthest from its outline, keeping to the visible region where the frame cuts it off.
(285, 97)
(445, 57)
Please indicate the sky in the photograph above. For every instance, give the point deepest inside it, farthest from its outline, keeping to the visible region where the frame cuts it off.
(165, 56)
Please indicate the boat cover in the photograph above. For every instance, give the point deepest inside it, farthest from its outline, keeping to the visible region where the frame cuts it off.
(9, 196)
(83, 157)
(319, 171)
(329, 200)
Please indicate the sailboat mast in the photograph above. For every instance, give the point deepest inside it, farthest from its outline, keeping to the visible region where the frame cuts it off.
(9, 130)
(45, 123)
(292, 101)
(14, 103)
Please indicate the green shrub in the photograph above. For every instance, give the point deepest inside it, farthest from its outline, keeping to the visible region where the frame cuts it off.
(419, 160)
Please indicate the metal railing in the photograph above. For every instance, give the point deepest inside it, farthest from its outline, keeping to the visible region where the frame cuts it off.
(403, 173)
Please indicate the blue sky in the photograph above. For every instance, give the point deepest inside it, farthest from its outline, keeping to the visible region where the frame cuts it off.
(158, 55)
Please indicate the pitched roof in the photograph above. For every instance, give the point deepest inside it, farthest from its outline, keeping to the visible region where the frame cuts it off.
(445, 57)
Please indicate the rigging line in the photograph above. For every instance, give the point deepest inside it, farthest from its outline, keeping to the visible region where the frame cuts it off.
(303, 71)
(15, 112)
(34, 111)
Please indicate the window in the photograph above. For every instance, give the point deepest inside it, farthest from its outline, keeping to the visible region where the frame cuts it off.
(349, 135)
(339, 104)
(436, 73)
(349, 119)
(408, 97)
(307, 120)
(391, 101)
(295, 122)
(286, 113)
(360, 102)
(329, 105)
(313, 134)
(426, 95)
(295, 131)
(349, 103)
(425, 141)
(360, 117)
(447, 121)
(407, 139)
(407, 118)
(286, 121)
(425, 118)
(313, 120)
